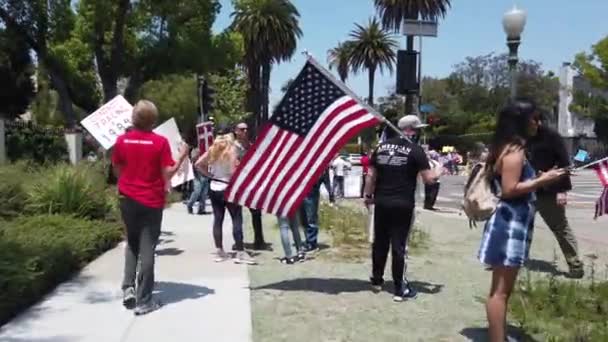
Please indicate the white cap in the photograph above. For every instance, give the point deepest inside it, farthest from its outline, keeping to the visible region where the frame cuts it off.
(410, 121)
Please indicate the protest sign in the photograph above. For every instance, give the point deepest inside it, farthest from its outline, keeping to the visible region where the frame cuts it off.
(109, 121)
(204, 132)
(170, 131)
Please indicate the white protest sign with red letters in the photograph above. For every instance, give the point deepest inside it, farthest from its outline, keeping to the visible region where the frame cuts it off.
(108, 122)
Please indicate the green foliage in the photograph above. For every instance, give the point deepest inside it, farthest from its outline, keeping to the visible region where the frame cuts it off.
(562, 310)
(13, 179)
(340, 59)
(393, 12)
(372, 48)
(230, 96)
(16, 70)
(348, 227)
(69, 190)
(35, 143)
(37, 253)
(175, 96)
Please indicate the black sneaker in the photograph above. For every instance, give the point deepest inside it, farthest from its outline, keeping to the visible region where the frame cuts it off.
(576, 273)
(407, 293)
(146, 308)
(190, 211)
(376, 285)
(128, 298)
(287, 261)
(301, 257)
(311, 249)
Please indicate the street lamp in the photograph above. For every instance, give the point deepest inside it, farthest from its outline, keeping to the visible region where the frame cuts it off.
(513, 23)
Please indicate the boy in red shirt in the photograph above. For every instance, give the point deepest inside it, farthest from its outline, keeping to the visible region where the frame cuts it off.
(143, 164)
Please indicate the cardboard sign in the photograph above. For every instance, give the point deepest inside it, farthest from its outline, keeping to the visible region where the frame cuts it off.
(170, 131)
(447, 149)
(204, 132)
(109, 121)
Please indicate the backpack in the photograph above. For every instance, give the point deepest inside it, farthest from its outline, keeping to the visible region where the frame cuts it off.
(479, 200)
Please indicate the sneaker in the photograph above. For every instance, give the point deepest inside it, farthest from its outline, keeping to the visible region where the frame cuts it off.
(576, 273)
(190, 211)
(311, 250)
(287, 261)
(407, 293)
(221, 256)
(243, 258)
(301, 257)
(146, 308)
(128, 298)
(376, 285)
(261, 246)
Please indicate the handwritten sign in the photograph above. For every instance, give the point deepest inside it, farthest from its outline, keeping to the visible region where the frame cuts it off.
(109, 121)
(170, 131)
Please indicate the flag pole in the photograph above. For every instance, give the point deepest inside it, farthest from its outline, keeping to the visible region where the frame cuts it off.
(590, 164)
(349, 92)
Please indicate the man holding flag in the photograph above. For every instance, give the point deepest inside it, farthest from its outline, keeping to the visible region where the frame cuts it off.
(315, 118)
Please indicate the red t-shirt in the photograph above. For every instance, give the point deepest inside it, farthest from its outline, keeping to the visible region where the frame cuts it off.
(365, 163)
(141, 156)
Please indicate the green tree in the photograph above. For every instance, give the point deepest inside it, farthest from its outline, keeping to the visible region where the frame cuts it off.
(270, 31)
(16, 70)
(394, 12)
(41, 24)
(340, 59)
(230, 99)
(593, 103)
(372, 49)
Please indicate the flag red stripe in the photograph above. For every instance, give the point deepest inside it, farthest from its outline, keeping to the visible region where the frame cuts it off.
(264, 132)
(256, 164)
(291, 143)
(326, 157)
(326, 120)
(262, 167)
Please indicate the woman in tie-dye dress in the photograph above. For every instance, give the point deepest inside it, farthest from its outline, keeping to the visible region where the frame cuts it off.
(508, 233)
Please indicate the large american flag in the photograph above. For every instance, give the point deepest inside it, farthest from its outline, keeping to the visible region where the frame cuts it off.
(315, 118)
(601, 206)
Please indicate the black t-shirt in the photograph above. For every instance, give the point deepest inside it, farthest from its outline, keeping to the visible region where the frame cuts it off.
(397, 163)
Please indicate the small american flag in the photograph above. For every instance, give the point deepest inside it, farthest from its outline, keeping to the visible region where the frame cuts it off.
(315, 118)
(204, 132)
(601, 206)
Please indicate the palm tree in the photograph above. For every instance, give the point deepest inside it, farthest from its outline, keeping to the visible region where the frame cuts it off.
(339, 58)
(372, 49)
(270, 31)
(394, 12)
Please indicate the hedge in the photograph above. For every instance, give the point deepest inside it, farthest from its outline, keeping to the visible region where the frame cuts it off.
(37, 253)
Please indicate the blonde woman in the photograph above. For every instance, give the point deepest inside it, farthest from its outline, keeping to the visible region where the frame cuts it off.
(219, 164)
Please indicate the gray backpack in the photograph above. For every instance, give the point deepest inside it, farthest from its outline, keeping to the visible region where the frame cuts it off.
(479, 201)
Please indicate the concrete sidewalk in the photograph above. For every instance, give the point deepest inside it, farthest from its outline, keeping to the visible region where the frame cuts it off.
(203, 300)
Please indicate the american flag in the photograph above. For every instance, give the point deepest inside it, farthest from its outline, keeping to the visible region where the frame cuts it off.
(601, 206)
(315, 118)
(204, 132)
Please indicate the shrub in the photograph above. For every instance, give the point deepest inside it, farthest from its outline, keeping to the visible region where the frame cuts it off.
(69, 190)
(557, 310)
(12, 189)
(37, 253)
(39, 144)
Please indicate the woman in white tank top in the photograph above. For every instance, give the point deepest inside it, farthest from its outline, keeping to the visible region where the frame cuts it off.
(219, 164)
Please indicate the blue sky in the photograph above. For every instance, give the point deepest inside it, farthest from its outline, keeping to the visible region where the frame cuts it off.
(556, 30)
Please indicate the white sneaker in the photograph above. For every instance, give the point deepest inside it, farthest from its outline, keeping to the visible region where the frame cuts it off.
(243, 258)
(221, 256)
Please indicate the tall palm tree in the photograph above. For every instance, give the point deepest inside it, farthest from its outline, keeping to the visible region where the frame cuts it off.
(339, 58)
(372, 49)
(394, 12)
(270, 31)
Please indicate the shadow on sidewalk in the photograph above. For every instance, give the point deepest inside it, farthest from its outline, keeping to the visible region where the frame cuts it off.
(481, 334)
(536, 265)
(171, 293)
(169, 251)
(336, 286)
(42, 339)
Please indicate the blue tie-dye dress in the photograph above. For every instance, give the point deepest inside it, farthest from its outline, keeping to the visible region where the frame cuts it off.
(508, 233)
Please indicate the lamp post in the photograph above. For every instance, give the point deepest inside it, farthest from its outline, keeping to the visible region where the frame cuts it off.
(513, 23)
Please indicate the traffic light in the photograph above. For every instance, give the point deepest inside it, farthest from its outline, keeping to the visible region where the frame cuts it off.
(208, 94)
